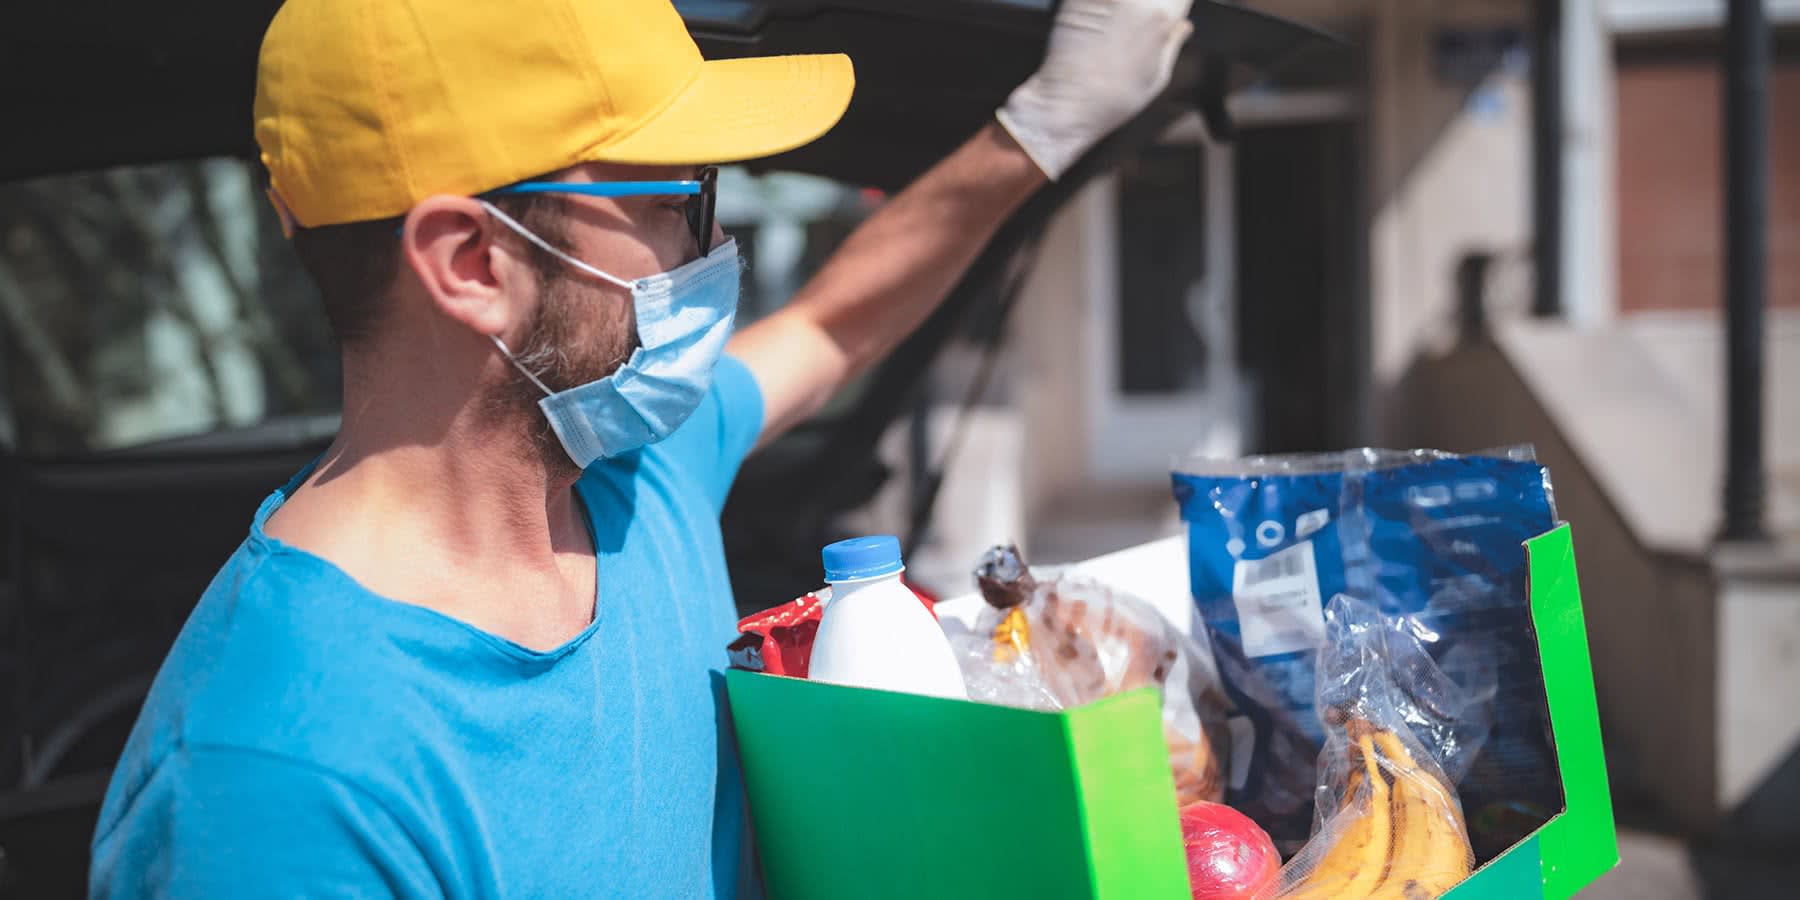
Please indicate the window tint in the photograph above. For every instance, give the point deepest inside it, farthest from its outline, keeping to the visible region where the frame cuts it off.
(149, 302)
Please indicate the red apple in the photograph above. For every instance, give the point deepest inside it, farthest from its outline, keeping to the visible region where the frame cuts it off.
(1229, 856)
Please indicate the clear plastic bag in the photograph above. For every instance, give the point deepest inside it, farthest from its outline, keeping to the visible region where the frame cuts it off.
(1389, 822)
(997, 662)
(1072, 640)
(1432, 539)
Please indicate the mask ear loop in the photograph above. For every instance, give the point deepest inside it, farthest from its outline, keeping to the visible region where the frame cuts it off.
(545, 246)
(553, 251)
(504, 351)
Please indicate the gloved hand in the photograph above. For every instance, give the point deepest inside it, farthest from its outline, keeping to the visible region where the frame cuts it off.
(1106, 61)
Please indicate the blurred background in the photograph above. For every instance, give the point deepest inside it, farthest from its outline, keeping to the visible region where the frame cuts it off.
(1475, 223)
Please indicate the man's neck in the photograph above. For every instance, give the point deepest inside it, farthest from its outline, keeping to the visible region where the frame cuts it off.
(473, 524)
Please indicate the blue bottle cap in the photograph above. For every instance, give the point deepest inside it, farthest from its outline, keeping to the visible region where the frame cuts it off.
(863, 557)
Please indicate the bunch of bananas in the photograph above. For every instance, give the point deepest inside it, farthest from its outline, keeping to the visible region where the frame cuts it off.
(1398, 835)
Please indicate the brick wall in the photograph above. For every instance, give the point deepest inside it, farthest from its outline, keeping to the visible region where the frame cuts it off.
(1670, 185)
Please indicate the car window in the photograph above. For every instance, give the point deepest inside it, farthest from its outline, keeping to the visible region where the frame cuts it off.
(153, 302)
(786, 225)
(149, 302)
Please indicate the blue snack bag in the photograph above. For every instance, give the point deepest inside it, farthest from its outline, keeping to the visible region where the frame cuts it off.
(1434, 541)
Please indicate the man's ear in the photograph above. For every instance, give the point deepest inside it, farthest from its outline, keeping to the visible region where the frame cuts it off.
(449, 243)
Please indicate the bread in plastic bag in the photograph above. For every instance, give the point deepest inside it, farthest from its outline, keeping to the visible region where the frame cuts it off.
(1389, 823)
(1071, 640)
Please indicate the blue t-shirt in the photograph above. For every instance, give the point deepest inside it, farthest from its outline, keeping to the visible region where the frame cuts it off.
(306, 737)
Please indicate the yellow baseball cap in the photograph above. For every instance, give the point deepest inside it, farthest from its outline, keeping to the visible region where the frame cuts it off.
(366, 107)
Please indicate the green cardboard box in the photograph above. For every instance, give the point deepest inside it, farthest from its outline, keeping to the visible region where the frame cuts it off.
(861, 793)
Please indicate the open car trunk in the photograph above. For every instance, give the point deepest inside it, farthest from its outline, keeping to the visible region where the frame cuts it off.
(118, 84)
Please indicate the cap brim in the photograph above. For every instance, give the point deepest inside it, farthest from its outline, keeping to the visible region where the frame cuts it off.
(741, 109)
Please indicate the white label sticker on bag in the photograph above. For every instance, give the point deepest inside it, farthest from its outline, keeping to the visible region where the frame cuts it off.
(1278, 603)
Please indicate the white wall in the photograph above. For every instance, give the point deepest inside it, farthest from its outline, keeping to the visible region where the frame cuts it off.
(1590, 205)
(1053, 356)
(1759, 679)
(1448, 176)
(1452, 173)
(1638, 16)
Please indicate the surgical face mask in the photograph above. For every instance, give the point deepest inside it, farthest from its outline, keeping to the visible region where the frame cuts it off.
(684, 317)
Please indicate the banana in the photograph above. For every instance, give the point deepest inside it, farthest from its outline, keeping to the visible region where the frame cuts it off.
(1358, 858)
(1395, 750)
(1399, 834)
(1431, 846)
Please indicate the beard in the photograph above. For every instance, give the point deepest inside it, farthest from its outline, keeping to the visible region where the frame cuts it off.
(565, 346)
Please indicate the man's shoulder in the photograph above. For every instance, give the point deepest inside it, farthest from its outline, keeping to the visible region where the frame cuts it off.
(277, 666)
(285, 655)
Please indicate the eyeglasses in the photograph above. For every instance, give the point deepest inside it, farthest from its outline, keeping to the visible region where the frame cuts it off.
(702, 195)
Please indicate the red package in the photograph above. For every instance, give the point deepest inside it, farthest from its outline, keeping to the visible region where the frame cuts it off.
(779, 639)
(785, 634)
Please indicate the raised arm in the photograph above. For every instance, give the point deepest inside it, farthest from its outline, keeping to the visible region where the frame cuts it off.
(1106, 60)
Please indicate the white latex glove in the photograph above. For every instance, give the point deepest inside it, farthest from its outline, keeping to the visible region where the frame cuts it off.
(1106, 61)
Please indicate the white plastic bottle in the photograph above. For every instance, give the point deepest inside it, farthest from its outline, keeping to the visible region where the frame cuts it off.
(875, 633)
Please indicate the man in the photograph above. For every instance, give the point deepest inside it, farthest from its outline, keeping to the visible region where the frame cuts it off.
(473, 650)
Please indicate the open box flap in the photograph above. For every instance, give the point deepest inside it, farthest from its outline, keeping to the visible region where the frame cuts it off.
(1579, 844)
